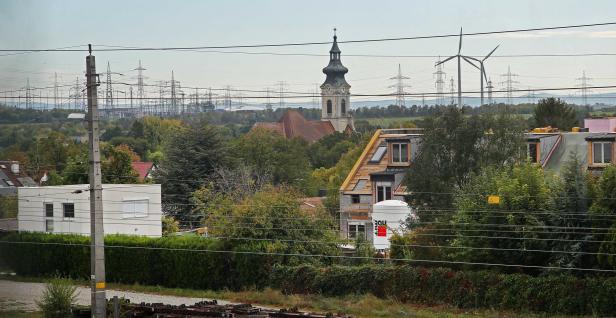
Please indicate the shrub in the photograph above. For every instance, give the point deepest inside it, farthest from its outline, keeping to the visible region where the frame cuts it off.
(58, 298)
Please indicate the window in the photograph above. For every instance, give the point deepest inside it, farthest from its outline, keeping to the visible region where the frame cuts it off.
(135, 208)
(533, 152)
(69, 210)
(355, 198)
(49, 225)
(400, 153)
(602, 152)
(49, 210)
(329, 107)
(360, 185)
(357, 230)
(343, 106)
(383, 192)
(378, 154)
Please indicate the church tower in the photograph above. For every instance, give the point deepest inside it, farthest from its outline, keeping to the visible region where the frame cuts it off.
(335, 92)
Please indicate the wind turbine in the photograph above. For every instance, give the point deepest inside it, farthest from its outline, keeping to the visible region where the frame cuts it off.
(481, 68)
(459, 56)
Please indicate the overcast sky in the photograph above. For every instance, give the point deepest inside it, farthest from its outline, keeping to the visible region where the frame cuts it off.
(28, 24)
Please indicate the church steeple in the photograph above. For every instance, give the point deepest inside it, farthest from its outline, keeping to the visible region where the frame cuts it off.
(335, 70)
(335, 94)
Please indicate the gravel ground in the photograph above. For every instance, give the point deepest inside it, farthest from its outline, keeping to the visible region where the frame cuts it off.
(23, 296)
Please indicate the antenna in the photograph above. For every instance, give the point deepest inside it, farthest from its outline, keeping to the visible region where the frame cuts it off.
(508, 83)
(399, 86)
(440, 83)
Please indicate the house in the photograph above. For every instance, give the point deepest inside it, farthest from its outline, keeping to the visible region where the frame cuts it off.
(379, 171)
(133, 209)
(376, 176)
(602, 124)
(13, 177)
(294, 125)
(335, 106)
(144, 169)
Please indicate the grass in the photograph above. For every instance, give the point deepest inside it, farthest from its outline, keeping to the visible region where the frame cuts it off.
(20, 314)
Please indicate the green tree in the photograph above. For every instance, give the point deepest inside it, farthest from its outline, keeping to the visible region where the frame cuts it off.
(603, 210)
(269, 153)
(526, 207)
(117, 168)
(191, 157)
(327, 151)
(556, 113)
(455, 146)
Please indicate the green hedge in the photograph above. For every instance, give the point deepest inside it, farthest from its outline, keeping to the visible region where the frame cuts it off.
(559, 294)
(562, 294)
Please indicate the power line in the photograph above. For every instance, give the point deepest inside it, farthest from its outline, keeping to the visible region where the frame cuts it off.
(293, 44)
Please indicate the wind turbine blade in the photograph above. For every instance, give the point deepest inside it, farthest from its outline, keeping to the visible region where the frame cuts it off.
(460, 45)
(469, 62)
(445, 60)
(485, 58)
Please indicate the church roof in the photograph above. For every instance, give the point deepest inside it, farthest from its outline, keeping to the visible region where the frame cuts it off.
(294, 125)
(335, 70)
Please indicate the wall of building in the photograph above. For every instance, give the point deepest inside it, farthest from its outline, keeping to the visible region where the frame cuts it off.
(600, 124)
(120, 202)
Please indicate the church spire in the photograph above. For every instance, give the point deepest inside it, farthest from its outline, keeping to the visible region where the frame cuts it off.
(335, 70)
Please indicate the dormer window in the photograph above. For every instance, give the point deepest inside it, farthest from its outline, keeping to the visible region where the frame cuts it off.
(399, 152)
(602, 152)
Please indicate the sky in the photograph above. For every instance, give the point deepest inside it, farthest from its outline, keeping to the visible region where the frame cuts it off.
(28, 24)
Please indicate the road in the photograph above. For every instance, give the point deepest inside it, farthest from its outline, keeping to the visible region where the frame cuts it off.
(22, 296)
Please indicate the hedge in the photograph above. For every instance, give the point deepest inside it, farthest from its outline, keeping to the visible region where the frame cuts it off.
(158, 265)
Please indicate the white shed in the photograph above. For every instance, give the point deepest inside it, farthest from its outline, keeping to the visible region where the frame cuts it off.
(133, 209)
(387, 218)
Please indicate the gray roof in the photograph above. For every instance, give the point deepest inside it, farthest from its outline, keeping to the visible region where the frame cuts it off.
(601, 136)
(571, 143)
(335, 70)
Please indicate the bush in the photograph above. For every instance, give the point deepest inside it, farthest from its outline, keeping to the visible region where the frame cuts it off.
(58, 298)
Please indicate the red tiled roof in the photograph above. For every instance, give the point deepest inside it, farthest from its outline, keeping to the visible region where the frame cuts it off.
(293, 124)
(142, 168)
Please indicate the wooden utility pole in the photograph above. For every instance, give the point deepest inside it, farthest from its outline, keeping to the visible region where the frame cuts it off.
(97, 244)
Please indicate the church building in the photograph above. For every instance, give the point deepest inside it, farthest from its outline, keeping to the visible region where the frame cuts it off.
(335, 106)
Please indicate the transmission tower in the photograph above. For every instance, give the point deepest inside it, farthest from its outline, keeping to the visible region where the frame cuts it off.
(440, 83)
(268, 102)
(140, 92)
(77, 90)
(173, 94)
(508, 84)
(28, 95)
(584, 87)
(55, 90)
(399, 86)
(109, 91)
(227, 100)
(452, 91)
(281, 85)
(489, 86)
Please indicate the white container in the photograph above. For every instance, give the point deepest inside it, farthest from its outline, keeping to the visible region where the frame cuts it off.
(388, 218)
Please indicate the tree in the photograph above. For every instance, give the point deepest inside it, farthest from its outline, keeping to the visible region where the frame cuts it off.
(603, 211)
(492, 233)
(327, 151)
(191, 156)
(117, 168)
(556, 113)
(269, 153)
(453, 148)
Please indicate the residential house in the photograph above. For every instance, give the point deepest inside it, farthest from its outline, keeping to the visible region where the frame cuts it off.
(144, 169)
(376, 176)
(133, 209)
(13, 177)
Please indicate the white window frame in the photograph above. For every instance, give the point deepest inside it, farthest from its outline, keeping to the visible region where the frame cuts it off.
(396, 148)
(356, 225)
(129, 208)
(602, 145)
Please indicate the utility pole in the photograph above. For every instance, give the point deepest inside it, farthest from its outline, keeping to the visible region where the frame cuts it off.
(97, 243)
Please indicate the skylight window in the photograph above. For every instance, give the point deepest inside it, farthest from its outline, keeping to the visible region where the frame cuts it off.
(378, 154)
